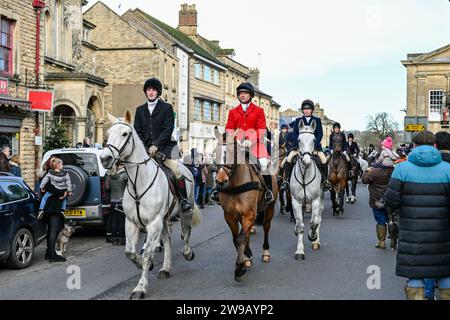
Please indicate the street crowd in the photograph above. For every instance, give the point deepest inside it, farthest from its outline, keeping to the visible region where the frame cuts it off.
(409, 185)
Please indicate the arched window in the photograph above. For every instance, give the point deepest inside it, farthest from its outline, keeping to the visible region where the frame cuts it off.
(48, 34)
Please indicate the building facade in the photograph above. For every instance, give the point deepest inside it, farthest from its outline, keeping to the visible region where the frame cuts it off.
(21, 69)
(428, 82)
(125, 58)
(70, 69)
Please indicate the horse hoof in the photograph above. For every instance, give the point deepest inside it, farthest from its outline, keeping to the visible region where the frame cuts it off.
(311, 238)
(163, 274)
(253, 230)
(316, 246)
(248, 263)
(137, 295)
(190, 256)
(265, 258)
(239, 275)
(299, 257)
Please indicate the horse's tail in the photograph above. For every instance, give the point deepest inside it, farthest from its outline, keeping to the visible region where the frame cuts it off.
(196, 216)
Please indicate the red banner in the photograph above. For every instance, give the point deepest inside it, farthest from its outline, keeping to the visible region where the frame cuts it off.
(41, 100)
(4, 86)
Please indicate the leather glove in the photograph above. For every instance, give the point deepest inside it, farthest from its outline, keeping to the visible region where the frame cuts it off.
(152, 151)
(247, 144)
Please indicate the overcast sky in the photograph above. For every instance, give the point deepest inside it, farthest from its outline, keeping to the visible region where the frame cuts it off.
(343, 54)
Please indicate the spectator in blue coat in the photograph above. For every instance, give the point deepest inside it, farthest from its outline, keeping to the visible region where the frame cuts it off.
(420, 190)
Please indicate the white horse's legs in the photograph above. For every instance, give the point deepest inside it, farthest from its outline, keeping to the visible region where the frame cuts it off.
(164, 273)
(152, 242)
(186, 227)
(316, 219)
(299, 228)
(132, 236)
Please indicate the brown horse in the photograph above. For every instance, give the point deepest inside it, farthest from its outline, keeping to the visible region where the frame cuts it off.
(337, 175)
(242, 199)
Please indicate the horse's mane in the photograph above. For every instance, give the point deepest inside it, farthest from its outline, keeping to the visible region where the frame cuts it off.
(139, 145)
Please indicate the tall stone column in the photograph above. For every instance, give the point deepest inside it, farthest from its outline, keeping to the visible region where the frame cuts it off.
(99, 131)
(80, 129)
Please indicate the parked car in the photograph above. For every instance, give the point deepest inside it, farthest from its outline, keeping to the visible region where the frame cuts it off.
(89, 203)
(20, 231)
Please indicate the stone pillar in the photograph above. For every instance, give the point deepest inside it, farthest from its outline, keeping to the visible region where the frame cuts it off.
(80, 129)
(421, 96)
(99, 131)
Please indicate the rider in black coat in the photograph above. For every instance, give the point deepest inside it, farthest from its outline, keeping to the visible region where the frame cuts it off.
(154, 122)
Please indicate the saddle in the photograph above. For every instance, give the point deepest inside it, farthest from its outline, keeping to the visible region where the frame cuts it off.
(171, 178)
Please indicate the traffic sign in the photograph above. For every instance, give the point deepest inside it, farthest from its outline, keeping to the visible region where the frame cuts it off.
(414, 127)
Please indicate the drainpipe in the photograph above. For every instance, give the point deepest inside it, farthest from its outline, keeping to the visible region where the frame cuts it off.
(38, 5)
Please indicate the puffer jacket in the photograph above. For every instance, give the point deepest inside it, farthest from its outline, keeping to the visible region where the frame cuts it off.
(378, 180)
(420, 188)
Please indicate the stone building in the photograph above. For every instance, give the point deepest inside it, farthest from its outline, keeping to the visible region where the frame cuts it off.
(428, 81)
(21, 69)
(70, 68)
(125, 58)
(203, 80)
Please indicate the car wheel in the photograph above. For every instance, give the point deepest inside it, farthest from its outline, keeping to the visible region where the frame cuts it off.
(79, 180)
(22, 250)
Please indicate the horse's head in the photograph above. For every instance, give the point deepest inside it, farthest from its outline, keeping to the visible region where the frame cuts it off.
(120, 142)
(336, 140)
(306, 141)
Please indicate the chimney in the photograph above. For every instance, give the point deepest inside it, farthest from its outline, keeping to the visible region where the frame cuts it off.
(254, 77)
(188, 20)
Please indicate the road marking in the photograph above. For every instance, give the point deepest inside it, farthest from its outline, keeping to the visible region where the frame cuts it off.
(28, 271)
(95, 249)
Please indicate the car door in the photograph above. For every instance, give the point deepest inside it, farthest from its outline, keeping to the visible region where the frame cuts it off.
(7, 212)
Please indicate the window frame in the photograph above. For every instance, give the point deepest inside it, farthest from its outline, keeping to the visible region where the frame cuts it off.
(198, 108)
(9, 46)
(216, 108)
(209, 119)
(436, 104)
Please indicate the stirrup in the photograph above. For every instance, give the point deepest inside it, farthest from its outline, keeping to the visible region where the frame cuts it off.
(284, 186)
(185, 205)
(214, 196)
(269, 197)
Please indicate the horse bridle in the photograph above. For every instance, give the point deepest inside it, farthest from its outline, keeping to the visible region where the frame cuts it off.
(303, 173)
(112, 148)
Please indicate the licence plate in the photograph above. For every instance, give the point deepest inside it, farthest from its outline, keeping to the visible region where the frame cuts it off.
(75, 213)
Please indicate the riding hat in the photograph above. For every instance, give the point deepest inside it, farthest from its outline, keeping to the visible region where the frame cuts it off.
(350, 135)
(308, 104)
(153, 83)
(284, 126)
(336, 125)
(246, 87)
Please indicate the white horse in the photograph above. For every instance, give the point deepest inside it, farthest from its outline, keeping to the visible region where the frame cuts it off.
(363, 163)
(305, 185)
(147, 202)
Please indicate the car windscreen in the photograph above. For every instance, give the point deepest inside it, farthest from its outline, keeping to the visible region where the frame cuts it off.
(13, 190)
(86, 161)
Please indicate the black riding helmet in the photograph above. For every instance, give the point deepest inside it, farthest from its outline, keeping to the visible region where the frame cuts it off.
(308, 104)
(336, 125)
(153, 83)
(350, 135)
(246, 87)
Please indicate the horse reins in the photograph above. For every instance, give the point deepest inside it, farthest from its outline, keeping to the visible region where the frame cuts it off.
(303, 173)
(137, 199)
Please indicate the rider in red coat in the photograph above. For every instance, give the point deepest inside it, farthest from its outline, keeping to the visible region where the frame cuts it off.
(250, 121)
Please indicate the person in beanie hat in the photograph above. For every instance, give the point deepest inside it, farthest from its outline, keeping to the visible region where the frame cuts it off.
(154, 122)
(420, 189)
(387, 157)
(308, 107)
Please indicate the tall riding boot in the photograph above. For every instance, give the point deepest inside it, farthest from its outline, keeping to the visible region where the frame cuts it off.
(285, 185)
(444, 294)
(415, 293)
(324, 171)
(381, 234)
(269, 194)
(185, 205)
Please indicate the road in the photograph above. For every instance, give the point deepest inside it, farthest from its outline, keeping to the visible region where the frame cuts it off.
(338, 271)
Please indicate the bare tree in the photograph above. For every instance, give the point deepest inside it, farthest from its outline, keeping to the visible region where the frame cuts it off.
(382, 124)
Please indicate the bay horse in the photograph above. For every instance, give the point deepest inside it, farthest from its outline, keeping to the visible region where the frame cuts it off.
(241, 196)
(306, 188)
(337, 175)
(148, 203)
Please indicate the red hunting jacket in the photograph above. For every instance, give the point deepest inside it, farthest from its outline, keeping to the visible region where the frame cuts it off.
(252, 125)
